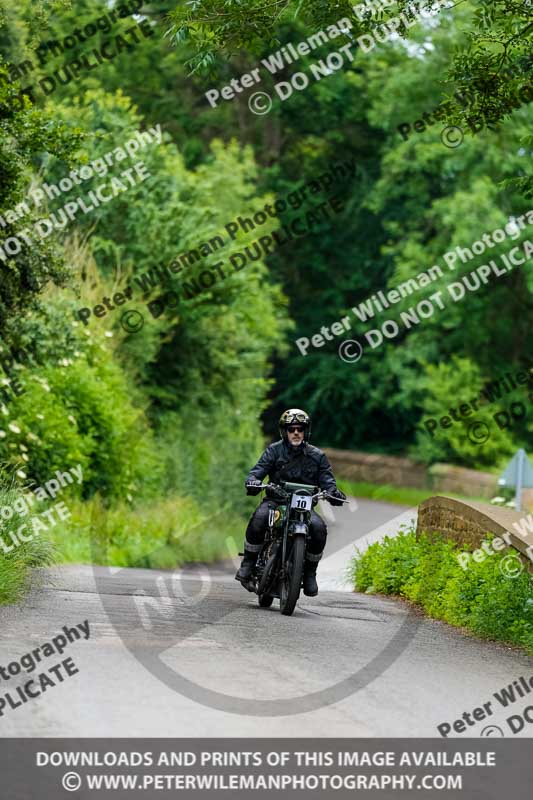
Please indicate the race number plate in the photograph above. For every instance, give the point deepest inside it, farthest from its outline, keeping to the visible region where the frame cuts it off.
(302, 502)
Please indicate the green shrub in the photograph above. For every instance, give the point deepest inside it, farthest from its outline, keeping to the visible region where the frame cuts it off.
(425, 570)
(460, 379)
(386, 566)
(78, 407)
(434, 563)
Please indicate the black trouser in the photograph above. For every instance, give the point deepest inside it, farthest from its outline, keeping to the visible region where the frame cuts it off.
(256, 530)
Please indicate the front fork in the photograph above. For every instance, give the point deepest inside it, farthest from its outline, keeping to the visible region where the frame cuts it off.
(297, 529)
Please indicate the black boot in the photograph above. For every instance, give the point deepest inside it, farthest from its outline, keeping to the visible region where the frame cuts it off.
(310, 584)
(244, 572)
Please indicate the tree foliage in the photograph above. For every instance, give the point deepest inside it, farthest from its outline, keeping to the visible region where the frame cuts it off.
(197, 379)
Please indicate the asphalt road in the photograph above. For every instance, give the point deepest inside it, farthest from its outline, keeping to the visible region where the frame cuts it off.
(189, 653)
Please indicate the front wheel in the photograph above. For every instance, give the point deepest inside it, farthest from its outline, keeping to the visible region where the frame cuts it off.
(290, 587)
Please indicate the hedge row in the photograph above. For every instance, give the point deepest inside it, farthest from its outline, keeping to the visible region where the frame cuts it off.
(426, 571)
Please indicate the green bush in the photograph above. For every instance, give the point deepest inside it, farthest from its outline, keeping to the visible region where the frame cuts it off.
(385, 566)
(461, 380)
(425, 570)
(78, 407)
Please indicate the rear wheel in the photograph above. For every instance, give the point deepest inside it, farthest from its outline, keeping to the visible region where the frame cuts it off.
(265, 600)
(290, 587)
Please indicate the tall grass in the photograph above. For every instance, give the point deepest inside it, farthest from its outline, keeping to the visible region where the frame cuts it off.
(16, 564)
(161, 535)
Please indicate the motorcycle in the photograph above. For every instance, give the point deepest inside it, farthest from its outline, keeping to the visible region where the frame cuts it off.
(278, 571)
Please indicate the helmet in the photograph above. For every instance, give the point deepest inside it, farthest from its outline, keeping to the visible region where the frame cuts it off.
(291, 417)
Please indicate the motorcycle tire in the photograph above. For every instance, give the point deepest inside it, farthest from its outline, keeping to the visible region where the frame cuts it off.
(290, 587)
(265, 600)
(268, 574)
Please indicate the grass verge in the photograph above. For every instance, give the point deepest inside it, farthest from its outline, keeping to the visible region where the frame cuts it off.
(16, 568)
(161, 535)
(18, 557)
(404, 496)
(426, 572)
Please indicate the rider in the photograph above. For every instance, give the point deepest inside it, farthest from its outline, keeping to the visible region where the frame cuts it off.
(291, 459)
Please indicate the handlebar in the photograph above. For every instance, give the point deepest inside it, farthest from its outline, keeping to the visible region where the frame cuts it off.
(275, 488)
(323, 494)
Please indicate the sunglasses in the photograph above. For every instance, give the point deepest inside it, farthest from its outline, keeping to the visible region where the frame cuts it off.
(295, 429)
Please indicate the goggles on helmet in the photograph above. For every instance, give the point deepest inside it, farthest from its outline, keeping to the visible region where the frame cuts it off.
(292, 418)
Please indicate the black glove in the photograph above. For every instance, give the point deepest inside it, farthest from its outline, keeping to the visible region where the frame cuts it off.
(277, 493)
(253, 487)
(336, 493)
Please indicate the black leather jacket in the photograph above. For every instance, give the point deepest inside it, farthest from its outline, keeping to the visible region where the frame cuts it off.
(303, 464)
